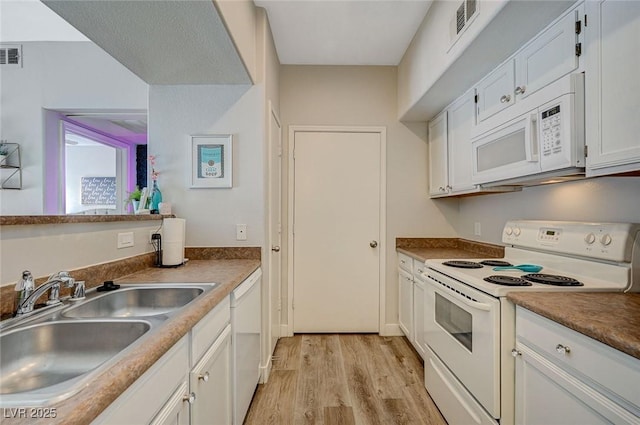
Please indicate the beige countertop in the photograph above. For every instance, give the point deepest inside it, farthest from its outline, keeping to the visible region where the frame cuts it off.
(612, 318)
(87, 404)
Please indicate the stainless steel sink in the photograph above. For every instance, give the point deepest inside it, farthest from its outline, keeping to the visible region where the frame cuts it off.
(135, 302)
(46, 355)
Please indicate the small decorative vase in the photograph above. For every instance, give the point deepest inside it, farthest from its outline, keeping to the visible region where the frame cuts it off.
(134, 204)
(156, 197)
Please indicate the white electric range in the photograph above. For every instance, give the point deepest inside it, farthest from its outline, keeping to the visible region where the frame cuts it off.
(470, 324)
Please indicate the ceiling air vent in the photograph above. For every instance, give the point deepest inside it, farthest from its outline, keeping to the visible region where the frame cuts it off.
(11, 55)
(464, 14)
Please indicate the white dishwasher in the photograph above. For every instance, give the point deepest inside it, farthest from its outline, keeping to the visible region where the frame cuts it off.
(246, 329)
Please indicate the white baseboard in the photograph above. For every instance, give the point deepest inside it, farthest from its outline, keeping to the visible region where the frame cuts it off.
(265, 371)
(284, 331)
(391, 329)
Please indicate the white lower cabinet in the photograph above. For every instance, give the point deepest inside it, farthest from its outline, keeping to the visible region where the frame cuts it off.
(148, 397)
(565, 378)
(210, 381)
(405, 305)
(190, 384)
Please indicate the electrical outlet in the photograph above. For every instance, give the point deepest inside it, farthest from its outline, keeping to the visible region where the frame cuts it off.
(477, 229)
(241, 232)
(125, 240)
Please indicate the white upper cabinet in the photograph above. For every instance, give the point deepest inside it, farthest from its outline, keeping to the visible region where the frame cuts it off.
(612, 86)
(438, 169)
(461, 118)
(551, 55)
(496, 91)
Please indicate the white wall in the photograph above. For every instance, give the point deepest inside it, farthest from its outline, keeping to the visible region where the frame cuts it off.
(615, 199)
(175, 113)
(366, 96)
(57, 75)
(46, 249)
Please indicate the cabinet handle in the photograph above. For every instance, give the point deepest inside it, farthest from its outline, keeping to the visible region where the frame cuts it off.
(515, 353)
(204, 377)
(563, 349)
(189, 398)
(505, 98)
(449, 187)
(441, 189)
(520, 89)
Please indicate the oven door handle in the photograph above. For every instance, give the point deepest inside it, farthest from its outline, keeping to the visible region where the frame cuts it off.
(464, 300)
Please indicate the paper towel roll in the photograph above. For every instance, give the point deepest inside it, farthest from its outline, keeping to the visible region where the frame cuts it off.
(173, 231)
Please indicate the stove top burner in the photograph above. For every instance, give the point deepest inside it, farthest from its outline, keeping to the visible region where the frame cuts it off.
(496, 263)
(551, 279)
(463, 264)
(507, 280)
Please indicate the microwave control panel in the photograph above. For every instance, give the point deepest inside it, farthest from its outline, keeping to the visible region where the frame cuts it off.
(551, 131)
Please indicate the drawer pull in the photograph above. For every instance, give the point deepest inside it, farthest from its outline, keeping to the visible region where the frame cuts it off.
(189, 398)
(563, 349)
(515, 353)
(204, 377)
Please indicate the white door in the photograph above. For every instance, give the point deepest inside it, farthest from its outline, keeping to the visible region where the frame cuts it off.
(438, 179)
(336, 231)
(612, 86)
(275, 231)
(461, 117)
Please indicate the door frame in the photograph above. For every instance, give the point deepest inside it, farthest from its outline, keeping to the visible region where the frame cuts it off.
(382, 131)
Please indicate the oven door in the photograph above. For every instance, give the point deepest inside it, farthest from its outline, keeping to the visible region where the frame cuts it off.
(508, 151)
(462, 328)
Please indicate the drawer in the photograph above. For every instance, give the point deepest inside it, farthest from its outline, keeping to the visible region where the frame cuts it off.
(405, 262)
(205, 332)
(597, 364)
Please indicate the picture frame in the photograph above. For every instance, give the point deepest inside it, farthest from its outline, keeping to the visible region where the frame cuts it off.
(211, 161)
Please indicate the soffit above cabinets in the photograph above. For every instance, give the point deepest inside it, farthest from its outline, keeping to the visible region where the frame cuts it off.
(162, 42)
(339, 32)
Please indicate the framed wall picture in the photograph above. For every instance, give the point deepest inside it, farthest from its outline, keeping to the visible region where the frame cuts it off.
(211, 161)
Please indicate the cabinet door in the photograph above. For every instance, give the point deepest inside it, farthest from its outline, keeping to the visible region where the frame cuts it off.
(461, 118)
(612, 86)
(405, 307)
(418, 317)
(210, 381)
(438, 155)
(548, 395)
(176, 410)
(496, 91)
(549, 56)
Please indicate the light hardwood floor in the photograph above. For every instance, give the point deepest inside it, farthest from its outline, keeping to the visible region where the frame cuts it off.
(344, 379)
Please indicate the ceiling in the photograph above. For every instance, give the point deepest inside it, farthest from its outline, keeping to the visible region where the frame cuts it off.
(339, 32)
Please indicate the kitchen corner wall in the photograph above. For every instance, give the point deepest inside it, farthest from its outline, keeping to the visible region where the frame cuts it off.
(608, 199)
(176, 113)
(366, 96)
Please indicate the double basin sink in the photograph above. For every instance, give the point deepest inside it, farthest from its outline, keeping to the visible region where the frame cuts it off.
(49, 356)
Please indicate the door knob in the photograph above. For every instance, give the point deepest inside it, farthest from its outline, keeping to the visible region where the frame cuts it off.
(373, 244)
(275, 248)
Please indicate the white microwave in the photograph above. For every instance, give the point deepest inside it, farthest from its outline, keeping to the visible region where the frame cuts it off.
(544, 143)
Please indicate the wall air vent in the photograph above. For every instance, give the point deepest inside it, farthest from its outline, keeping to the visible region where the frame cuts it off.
(11, 55)
(464, 14)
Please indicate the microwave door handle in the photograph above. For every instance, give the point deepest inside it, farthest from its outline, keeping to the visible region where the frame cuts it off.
(464, 300)
(531, 138)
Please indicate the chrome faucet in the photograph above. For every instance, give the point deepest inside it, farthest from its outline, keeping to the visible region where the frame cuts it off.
(53, 285)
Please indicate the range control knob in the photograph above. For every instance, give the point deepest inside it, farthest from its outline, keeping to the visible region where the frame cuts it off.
(516, 231)
(508, 231)
(590, 238)
(605, 239)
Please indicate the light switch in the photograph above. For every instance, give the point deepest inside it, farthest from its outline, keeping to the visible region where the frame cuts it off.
(241, 232)
(477, 229)
(125, 240)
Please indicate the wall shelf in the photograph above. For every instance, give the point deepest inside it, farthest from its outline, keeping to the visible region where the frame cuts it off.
(11, 167)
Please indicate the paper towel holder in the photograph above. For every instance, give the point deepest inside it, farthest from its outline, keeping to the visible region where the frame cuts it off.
(156, 240)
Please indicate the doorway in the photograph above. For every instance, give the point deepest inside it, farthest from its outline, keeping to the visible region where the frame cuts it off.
(337, 199)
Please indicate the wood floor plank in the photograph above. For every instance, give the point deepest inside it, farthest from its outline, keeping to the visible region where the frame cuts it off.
(345, 379)
(339, 415)
(274, 405)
